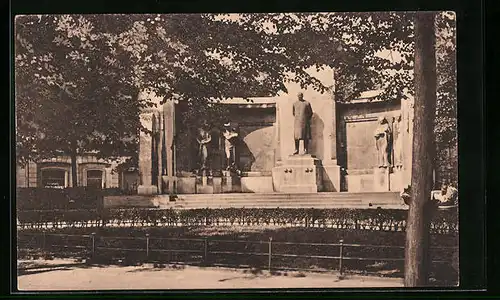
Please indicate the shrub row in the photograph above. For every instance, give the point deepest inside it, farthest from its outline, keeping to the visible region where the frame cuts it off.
(444, 221)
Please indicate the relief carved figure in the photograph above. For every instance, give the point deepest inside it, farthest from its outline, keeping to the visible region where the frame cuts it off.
(397, 142)
(204, 138)
(302, 112)
(382, 142)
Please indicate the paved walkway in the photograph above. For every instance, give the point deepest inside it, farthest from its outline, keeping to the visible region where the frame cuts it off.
(69, 275)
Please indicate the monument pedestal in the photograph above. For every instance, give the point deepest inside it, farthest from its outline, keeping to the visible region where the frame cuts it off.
(298, 174)
(396, 177)
(186, 185)
(217, 184)
(204, 185)
(381, 179)
(331, 176)
(147, 190)
(231, 183)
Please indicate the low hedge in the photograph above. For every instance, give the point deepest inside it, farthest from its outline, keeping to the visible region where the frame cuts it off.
(444, 221)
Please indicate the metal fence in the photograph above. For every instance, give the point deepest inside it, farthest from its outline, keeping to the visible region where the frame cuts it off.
(203, 251)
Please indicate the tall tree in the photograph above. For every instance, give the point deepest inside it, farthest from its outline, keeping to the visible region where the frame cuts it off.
(70, 96)
(417, 229)
(446, 106)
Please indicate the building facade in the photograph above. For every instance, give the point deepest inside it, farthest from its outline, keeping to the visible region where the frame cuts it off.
(91, 171)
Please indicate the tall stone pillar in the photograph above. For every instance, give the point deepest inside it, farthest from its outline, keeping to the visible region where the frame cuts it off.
(276, 126)
(160, 150)
(145, 156)
(169, 179)
(331, 169)
(407, 133)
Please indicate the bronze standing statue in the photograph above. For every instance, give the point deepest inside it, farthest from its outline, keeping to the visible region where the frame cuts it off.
(203, 139)
(397, 143)
(302, 112)
(230, 138)
(382, 138)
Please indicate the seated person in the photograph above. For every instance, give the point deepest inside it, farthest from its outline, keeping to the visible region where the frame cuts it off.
(406, 195)
(447, 196)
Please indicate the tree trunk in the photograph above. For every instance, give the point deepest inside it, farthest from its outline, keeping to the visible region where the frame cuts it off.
(74, 178)
(418, 223)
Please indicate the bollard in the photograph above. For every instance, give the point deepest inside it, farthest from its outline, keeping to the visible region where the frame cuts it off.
(205, 250)
(270, 253)
(93, 244)
(44, 237)
(147, 245)
(341, 271)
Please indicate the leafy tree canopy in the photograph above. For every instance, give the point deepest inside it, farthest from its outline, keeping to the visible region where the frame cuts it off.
(78, 76)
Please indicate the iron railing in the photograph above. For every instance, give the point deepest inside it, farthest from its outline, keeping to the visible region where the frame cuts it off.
(93, 246)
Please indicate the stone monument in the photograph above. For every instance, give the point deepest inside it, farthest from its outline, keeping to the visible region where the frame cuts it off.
(301, 172)
(280, 145)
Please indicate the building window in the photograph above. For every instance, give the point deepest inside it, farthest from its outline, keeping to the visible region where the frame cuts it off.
(94, 178)
(53, 178)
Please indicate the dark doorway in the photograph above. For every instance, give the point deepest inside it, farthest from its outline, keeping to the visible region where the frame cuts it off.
(94, 178)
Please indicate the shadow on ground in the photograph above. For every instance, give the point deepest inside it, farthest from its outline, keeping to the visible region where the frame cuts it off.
(254, 240)
(43, 266)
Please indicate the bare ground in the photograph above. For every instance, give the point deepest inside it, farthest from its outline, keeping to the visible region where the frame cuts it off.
(59, 274)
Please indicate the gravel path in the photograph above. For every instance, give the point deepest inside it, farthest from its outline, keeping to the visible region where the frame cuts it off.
(66, 275)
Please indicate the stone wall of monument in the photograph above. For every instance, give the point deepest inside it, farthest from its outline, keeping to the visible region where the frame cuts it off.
(257, 145)
(258, 141)
(343, 144)
(357, 148)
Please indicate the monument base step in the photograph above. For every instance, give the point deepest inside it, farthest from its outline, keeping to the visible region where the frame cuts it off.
(271, 200)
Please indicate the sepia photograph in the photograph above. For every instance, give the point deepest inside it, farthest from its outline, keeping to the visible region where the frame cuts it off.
(236, 151)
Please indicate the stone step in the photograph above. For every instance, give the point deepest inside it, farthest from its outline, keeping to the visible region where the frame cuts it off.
(256, 200)
(303, 205)
(260, 204)
(315, 203)
(344, 205)
(283, 195)
(265, 195)
(260, 199)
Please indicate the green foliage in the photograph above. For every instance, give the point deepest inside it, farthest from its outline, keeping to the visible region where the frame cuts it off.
(446, 108)
(69, 96)
(78, 76)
